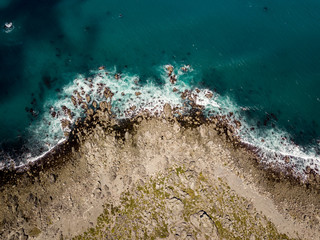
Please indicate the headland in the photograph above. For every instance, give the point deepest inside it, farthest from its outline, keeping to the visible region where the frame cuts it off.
(150, 177)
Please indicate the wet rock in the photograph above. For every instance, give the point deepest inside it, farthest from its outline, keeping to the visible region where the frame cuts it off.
(185, 94)
(80, 99)
(238, 124)
(90, 112)
(65, 123)
(175, 89)
(308, 170)
(184, 69)
(117, 76)
(107, 93)
(84, 106)
(74, 101)
(67, 111)
(108, 106)
(169, 69)
(66, 134)
(209, 95)
(102, 105)
(88, 98)
(173, 79)
(94, 104)
(137, 93)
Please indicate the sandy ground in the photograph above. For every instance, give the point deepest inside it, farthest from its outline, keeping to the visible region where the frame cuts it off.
(156, 178)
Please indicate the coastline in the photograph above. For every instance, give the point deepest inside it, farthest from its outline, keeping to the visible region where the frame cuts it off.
(107, 157)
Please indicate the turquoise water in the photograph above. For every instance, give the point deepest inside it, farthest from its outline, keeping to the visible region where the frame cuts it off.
(261, 58)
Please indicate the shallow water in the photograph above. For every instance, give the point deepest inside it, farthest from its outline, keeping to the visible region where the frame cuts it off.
(261, 58)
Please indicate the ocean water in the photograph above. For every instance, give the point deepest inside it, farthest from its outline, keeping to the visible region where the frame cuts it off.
(260, 59)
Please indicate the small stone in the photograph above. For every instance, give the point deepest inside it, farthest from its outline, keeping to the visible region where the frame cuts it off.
(138, 93)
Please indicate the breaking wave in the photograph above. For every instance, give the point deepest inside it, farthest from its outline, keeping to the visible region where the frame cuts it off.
(130, 96)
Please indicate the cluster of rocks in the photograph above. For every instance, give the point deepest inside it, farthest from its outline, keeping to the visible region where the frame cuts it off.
(190, 113)
(116, 155)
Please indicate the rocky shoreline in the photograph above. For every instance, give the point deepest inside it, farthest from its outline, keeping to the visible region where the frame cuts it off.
(111, 174)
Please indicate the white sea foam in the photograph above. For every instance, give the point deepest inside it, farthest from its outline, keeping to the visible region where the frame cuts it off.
(272, 145)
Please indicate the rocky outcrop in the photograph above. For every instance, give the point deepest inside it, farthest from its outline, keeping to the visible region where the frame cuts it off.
(153, 177)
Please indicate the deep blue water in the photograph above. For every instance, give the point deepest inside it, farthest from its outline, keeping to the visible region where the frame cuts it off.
(263, 55)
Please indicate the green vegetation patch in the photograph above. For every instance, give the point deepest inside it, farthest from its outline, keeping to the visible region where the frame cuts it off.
(182, 203)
